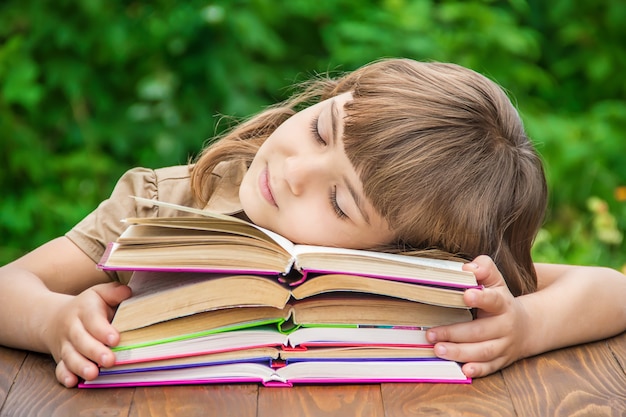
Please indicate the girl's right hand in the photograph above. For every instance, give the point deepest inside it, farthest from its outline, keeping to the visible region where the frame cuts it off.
(80, 334)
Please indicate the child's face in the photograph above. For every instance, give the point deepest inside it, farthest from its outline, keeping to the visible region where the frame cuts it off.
(302, 185)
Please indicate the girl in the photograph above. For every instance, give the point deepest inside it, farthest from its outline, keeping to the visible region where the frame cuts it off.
(399, 156)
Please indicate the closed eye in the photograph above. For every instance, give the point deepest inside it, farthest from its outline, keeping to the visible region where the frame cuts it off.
(333, 202)
(315, 131)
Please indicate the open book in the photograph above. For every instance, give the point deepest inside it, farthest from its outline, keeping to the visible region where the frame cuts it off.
(293, 373)
(211, 242)
(169, 306)
(303, 338)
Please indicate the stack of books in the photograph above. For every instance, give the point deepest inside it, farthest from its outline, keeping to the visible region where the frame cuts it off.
(219, 300)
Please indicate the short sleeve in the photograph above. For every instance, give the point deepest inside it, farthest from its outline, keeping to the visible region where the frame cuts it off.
(104, 224)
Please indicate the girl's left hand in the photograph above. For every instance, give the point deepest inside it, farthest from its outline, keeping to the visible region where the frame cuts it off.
(496, 338)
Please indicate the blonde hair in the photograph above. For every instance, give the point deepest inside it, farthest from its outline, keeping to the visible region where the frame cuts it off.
(442, 155)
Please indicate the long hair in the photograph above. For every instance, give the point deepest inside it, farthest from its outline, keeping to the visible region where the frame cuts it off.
(442, 154)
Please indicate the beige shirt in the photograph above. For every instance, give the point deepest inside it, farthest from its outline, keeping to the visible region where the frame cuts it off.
(172, 185)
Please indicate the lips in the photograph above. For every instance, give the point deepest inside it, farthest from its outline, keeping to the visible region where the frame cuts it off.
(265, 189)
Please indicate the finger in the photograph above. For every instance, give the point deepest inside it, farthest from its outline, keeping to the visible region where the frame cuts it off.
(487, 351)
(488, 300)
(112, 293)
(76, 364)
(474, 331)
(486, 328)
(97, 324)
(480, 359)
(486, 271)
(83, 343)
(64, 376)
(480, 369)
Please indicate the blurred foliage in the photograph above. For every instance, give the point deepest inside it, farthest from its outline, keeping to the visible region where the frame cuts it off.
(91, 88)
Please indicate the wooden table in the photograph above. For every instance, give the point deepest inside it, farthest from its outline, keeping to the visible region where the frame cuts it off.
(586, 380)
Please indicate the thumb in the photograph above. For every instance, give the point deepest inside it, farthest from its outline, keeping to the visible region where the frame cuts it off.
(486, 272)
(113, 293)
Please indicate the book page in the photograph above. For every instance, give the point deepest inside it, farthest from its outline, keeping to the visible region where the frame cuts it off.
(186, 209)
(280, 240)
(405, 259)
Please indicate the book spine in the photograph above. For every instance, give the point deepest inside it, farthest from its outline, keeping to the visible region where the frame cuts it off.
(277, 384)
(377, 380)
(303, 276)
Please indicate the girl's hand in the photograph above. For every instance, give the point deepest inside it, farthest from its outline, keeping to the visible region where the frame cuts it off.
(80, 333)
(496, 338)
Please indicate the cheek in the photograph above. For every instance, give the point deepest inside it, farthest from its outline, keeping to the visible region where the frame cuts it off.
(246, 192)
(309, 226)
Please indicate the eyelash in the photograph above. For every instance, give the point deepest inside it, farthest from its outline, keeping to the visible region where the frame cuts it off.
(316, 132)
(333, 202)
(333, 192)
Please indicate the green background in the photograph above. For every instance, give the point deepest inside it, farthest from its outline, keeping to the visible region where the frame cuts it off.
(91, 88)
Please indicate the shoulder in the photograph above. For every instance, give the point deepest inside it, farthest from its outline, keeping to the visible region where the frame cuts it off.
(173, 185)
(104, 224)
(170, 184)
(150, 180)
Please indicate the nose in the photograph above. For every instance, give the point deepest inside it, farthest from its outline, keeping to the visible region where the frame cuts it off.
(304, 174)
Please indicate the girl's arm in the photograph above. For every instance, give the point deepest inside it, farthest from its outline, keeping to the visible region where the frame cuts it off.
(573, 305)
(588, 304)
(54, 300)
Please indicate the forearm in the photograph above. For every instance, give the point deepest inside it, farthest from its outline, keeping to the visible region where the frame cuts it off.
(584, 304)
(26, 306)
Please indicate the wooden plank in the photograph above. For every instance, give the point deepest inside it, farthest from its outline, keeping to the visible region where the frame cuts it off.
(578, 381)
(617, 345)
(37, 393)
(195, 400)
(10, 362)
(318, 401)
(483, 397)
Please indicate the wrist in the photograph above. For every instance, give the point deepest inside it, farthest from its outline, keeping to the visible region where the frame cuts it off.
(48, 325)
(536, 335)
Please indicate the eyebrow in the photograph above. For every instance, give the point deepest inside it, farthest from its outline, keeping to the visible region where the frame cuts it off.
(334, 119)
(358, 201)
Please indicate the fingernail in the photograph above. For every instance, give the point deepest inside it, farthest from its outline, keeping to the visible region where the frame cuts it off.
(110, 339)
(67, 381)
(440, 350)
(431, 337)
(472, 265)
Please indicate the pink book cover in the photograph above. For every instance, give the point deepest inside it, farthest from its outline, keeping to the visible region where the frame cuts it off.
(303, 346)
(276, 384)
(340, 372)
(198, 352)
